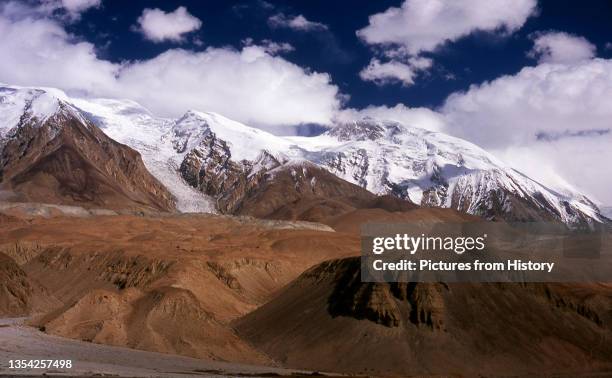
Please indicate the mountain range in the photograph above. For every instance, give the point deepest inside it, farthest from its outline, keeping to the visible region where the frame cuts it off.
(115, 153)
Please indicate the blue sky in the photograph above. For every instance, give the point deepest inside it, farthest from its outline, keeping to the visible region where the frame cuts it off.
(528, 80)
(337, 50)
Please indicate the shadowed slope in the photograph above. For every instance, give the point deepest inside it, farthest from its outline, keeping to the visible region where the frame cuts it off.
(328, 319)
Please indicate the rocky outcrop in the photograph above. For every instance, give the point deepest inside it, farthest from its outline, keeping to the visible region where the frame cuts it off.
(209, 167)
(389, 304)
(359, 130)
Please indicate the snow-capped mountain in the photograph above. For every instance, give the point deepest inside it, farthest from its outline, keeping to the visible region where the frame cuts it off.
(51, 152)
(434, 169)
(201, 155)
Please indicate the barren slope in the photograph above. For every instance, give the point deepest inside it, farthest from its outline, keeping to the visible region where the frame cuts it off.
(327, 319)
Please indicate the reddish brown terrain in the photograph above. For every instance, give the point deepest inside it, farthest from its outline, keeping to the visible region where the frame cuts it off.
(69, 161)
(275, 284)
(171, 284)
(20, 295)
(308, 192)
(278, 293)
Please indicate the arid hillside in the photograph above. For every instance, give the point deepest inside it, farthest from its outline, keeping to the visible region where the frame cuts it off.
(168, 284)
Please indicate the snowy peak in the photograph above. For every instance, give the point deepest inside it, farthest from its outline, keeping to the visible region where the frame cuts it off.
(22, 104)
(244, 142)
(361, 130)
(40, 106)
(435, 169)
(34, 107)
(188, 132)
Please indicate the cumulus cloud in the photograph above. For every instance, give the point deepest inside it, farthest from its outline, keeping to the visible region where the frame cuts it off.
(423, 25)
(392, 71)
(545, 98)
(251, 85)
(159, 26)
(403, 34)
(299, 22)
(41, 52)
(555, 114)
(560, 47)
(423, 118)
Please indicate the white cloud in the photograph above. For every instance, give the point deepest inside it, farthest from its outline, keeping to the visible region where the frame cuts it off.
(423, 25)
(299, 22)
(403, 34)
(159, 26)
(417, 117)
(581, 163)
(551, 119)
(559, 47)
(251, 85)
(395, 71)
(64, 10)
(79, 6)
(272, 47)
(40, 52)
(547, 98)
